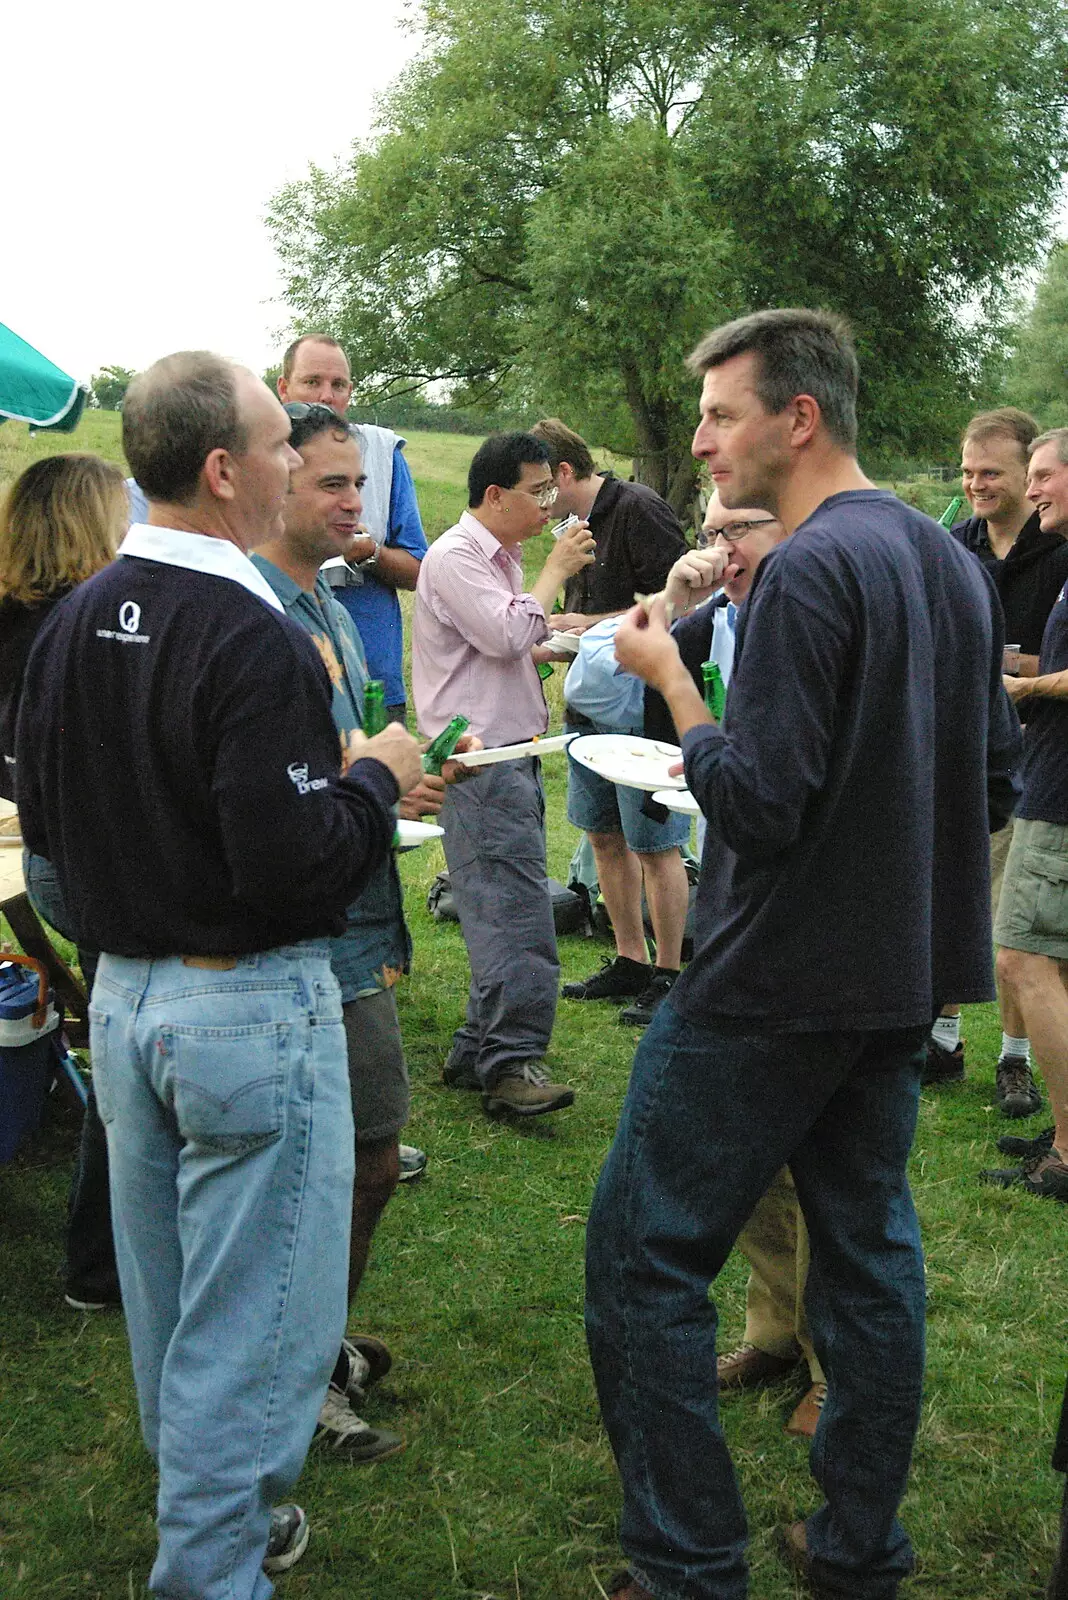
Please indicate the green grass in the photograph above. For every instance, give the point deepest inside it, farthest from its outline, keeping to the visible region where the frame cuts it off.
(507, 1488)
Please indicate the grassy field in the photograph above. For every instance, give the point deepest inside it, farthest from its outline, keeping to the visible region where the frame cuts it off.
(507, 1490)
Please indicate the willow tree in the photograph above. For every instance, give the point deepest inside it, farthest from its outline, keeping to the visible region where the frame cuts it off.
(562, 195)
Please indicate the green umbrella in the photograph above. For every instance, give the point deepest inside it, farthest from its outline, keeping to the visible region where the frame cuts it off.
(33, 390)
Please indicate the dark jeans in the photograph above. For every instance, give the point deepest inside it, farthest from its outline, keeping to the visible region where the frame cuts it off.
(91, 1273)
(710, 1116)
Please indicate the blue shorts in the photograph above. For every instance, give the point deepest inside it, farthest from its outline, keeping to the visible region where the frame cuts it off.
(597, 806)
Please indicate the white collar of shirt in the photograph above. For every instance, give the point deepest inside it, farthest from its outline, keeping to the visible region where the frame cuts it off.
(198, 552)
(487, 542)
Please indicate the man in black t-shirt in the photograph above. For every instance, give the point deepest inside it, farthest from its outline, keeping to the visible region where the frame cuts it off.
(1031, 929)
(637, 540)
(864, 710)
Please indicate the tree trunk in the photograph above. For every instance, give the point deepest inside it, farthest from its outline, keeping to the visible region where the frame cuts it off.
(671, 472)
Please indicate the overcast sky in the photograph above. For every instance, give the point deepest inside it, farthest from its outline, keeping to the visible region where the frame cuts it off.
(141, 146)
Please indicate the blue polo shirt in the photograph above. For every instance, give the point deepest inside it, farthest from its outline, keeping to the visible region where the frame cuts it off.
(375, 948)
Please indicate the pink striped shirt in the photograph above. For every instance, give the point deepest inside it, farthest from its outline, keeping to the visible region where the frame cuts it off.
(472, 635)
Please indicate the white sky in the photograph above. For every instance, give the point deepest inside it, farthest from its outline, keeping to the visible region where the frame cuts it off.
(141, 145)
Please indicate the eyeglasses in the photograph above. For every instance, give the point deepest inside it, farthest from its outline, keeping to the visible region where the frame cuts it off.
(544, 497)
(733, 532)
(311, 417)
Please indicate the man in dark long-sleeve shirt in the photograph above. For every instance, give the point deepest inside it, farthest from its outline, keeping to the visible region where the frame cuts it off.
(864, 707)
(179, 765)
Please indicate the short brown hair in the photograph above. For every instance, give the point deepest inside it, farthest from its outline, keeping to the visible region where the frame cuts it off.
(801, 352)
(1006, 422)
(1057, 436)
(289, 360)
(173, 417)
(61, 522)
(564, 445)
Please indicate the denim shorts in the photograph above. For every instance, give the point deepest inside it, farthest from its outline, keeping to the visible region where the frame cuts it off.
(378, 1076)
(597, 806)
(1033, 908)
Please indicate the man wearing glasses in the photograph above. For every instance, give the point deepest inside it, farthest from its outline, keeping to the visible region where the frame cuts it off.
(474, 637)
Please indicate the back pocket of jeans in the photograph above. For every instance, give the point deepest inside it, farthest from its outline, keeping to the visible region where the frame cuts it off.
(228, 1085)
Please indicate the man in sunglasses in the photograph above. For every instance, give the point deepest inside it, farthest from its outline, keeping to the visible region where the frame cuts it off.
(386, 555)
(476, 628)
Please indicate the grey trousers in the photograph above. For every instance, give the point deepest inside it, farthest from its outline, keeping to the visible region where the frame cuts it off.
(495, 849)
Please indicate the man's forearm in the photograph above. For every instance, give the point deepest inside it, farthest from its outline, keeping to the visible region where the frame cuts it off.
(1048, 686)
(397, 569)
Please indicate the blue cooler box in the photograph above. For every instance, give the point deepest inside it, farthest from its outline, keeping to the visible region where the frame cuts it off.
(28, 1054)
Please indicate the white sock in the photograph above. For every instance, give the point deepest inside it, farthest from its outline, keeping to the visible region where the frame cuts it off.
(1016, 1047)
(946, 1032)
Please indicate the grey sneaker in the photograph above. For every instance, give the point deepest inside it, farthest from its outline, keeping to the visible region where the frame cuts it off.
(288, 1538)
(339, 1429)
(1016, 1093)
(525, 1091)
(412, 1163)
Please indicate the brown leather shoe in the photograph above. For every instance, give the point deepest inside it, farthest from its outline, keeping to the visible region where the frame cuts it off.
(802, 1425)
(623, 1587)
(747, 1367)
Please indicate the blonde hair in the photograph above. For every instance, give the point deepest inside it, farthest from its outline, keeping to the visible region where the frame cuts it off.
(61, 521)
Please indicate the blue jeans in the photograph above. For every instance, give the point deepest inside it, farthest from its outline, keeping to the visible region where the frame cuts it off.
(710, 1116)
(225, 1095)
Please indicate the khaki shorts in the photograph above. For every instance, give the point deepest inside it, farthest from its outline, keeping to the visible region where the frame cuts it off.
(378, 1076)
(1033, 909)
(999, 854)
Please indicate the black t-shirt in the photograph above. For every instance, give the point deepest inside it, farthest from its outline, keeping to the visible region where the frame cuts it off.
(1028, 580)
(1045, 762)
(638, 541)
(19, 624)
(845, 880)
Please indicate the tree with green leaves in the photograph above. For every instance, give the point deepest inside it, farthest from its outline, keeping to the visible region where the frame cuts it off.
(1037, 376)
(566, 193)
(108, 387)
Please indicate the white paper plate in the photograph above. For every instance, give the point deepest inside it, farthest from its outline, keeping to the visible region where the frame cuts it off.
(515, 752)
(626, 758)
(410, 834)
(564, 641)
(680, 800)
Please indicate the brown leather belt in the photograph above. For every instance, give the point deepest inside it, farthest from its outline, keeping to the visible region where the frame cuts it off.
(211, 963)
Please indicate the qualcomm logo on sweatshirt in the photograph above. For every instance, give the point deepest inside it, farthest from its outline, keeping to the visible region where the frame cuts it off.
(298, 776)
(129, 622)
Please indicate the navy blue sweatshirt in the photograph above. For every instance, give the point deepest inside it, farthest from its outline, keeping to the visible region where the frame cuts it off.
(846, 875)
(178, 762)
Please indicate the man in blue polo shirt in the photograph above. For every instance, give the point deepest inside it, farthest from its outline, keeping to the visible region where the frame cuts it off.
(184, 776)
(864, 706)
(321, 518)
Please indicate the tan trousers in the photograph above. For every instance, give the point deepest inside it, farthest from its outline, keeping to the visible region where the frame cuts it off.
(775, 1243)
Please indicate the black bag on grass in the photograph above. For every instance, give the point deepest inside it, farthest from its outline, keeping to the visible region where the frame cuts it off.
(569, 909)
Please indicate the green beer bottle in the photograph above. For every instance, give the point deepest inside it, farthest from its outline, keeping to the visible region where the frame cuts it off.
(949, 515)
(440, 749)
(715, 690)
(374, 707)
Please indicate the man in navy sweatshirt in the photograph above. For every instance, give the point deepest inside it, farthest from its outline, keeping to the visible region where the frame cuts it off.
(182, 773)
(864, 707)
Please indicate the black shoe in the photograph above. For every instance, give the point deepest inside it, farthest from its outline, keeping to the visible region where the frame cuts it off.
(642, 1012)
(1010, 1144)
(459, 1075)
(1045, 1176)
(942, 1065)
(1016, 1092)
(618, 979)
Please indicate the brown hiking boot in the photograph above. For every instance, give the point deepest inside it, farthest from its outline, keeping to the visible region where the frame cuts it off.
(747, 1367)
(1016, 1092)
(526, 1091)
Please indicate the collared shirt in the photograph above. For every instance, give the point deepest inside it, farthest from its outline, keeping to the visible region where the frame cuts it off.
(473, 632)
(197, 552)
(375, 948)
(637, 541)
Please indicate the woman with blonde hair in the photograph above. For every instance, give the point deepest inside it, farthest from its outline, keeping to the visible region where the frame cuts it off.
(60, 523)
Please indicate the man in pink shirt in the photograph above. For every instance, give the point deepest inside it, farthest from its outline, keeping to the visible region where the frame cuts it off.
(475, 640)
